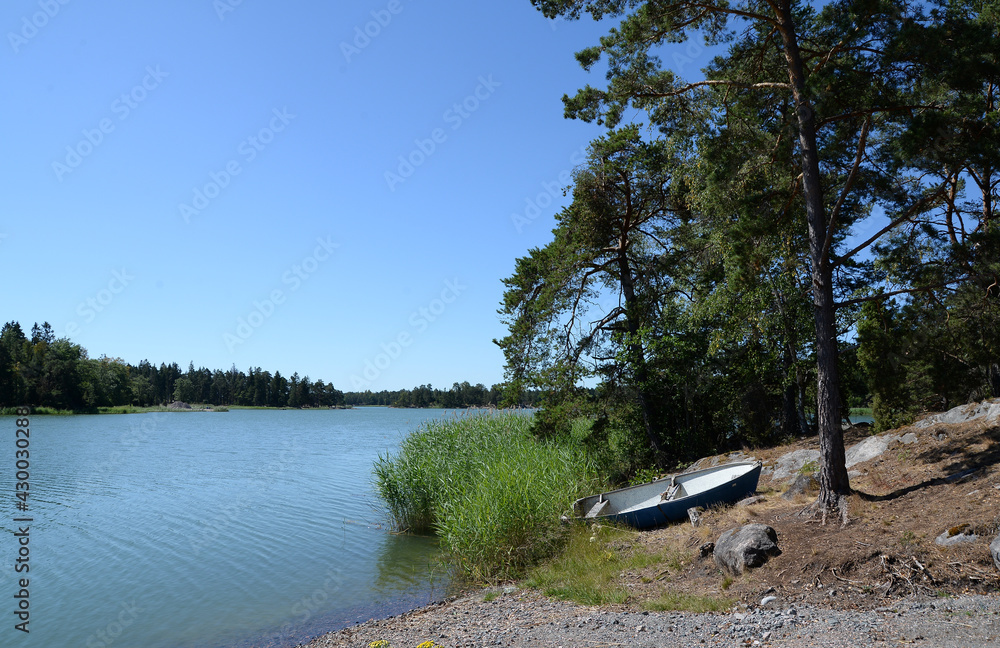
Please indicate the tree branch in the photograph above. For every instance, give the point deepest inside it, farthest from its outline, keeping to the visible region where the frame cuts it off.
(824, 256)
(891, 226)
(734, 12)
(902, 291)
(717, 82)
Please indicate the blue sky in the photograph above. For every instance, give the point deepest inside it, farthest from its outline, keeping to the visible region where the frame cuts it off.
(325, 188)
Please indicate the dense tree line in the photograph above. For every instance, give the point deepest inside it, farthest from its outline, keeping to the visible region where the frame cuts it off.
(710, 270)
(42, 370)
(45, 371)
(461, 395)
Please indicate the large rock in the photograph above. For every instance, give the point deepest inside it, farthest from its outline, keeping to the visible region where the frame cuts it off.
(956, 535)
(750, 546)
(868, 449)
(995, 551)
(801, 485)
(989, 411)
(790, 463)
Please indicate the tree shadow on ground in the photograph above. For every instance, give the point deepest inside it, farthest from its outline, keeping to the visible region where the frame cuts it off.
(956, 458)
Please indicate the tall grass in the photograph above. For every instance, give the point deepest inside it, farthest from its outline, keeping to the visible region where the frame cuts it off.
(490, 490)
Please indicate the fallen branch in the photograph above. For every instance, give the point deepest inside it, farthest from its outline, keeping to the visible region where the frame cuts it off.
(846, 580)
(923, 570)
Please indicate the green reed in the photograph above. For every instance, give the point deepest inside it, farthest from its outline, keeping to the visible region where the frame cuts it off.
(490, 490)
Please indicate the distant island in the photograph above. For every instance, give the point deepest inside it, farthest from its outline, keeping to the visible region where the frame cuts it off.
(57, 374)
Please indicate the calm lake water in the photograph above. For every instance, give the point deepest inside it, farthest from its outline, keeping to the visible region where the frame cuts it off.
(177, 530)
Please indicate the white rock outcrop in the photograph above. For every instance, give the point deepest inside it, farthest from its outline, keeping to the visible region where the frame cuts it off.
(989, 411)
(789, 464)
(869, 448)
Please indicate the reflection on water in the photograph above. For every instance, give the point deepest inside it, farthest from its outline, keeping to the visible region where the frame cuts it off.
(410, 564)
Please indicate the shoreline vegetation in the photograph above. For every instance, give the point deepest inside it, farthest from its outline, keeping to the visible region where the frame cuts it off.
(493, 492)
(904, 498)
(497, 497)
(488, 488)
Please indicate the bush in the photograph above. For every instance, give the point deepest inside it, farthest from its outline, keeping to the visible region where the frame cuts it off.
(490, 490)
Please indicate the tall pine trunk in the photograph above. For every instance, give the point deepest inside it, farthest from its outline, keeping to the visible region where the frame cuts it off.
(833, 480)
(637, 355)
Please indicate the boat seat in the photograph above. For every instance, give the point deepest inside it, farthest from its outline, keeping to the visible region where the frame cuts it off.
(597, 508)
(670, 493)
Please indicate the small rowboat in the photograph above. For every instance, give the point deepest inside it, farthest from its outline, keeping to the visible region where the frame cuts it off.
(667, 500)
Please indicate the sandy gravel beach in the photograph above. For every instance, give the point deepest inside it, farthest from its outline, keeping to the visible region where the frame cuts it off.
(525, 618)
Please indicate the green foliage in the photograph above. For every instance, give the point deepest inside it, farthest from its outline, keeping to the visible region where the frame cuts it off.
(802, 129)
(589, 570)
(184, 390)
(586, 571)
(645, 475)
(57, 373)
(809, 468)
(490, 490)
(895, 377)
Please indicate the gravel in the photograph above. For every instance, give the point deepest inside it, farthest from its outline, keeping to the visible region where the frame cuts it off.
(525, 618)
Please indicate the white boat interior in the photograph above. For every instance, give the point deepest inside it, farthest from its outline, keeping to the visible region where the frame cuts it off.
(676, 487)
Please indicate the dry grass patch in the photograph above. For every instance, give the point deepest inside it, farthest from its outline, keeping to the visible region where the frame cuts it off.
(672, 601)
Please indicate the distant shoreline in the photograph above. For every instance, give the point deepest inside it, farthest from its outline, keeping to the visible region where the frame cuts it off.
(132, 409)
(202, 407)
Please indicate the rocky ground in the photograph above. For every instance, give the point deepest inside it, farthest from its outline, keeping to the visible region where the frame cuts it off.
(528, 619)
(911, 567)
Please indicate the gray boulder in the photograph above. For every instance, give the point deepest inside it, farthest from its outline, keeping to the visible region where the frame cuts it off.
(995, 551)
(868, 449)
(790, 463)
(956, 535)
(801, 485)
(989, 411)
(750, 546)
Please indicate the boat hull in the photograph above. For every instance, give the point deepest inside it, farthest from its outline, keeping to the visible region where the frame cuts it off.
(641, 506)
